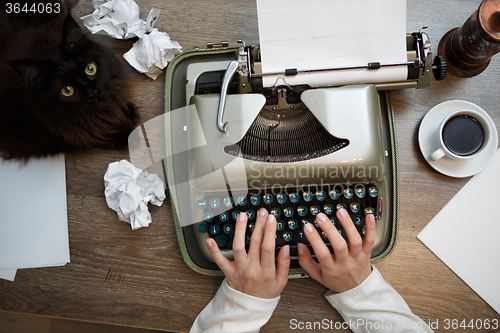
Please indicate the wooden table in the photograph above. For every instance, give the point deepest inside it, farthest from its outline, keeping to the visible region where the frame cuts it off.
(138, 278)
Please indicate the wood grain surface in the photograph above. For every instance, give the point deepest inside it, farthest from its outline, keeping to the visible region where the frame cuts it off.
(138, 278)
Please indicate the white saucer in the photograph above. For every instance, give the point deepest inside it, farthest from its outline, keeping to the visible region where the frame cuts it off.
(427, 139)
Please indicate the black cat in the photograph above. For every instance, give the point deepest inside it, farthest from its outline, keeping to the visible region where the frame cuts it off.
(59, 91)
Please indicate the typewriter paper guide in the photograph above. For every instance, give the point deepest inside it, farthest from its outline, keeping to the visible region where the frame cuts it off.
(351, 112)
(324, 34)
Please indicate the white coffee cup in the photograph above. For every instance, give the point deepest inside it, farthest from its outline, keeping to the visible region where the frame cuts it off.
(461, 130)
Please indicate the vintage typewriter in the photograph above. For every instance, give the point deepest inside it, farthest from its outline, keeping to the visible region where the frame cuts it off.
(236, 146)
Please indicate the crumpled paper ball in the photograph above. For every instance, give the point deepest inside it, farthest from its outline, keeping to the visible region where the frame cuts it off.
(118, 18)
(152, 53)
(129, 190)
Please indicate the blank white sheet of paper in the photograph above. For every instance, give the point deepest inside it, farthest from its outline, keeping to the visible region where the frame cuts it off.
(332, 33)
(464, 234)
(34, 223)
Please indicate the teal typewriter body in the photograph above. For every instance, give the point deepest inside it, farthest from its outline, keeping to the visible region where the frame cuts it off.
(234, 146)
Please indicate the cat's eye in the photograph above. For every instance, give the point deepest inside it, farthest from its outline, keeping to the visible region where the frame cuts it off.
(91, 69)
(67, 91)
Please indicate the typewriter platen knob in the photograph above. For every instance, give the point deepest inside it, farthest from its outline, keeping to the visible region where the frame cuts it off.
(439, 67)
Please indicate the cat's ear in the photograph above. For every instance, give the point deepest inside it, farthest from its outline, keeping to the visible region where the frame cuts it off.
(73, 37)
(28, 69)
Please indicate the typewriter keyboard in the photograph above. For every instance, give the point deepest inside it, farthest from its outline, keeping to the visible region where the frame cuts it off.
(293, 208)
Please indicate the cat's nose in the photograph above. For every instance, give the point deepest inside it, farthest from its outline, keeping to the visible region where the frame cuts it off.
(93, 93)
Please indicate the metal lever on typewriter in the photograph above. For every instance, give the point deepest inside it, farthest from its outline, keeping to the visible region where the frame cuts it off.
(231, 69)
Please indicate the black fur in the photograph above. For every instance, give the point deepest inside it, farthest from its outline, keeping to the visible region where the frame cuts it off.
(39, 55)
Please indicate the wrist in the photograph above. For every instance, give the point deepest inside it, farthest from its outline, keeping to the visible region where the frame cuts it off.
(245, 298)
(353, 282)
(256, 291)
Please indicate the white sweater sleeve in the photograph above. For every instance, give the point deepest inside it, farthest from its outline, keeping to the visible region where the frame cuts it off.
(233, 311)
(374, 306)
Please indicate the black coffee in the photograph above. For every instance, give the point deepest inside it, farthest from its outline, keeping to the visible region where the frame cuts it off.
(463, 135)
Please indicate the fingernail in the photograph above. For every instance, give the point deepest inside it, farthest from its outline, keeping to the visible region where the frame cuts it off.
(286, 251)
(270, 219)
(371, 218)
(262, 212)
(209, 243)
(241, 217)
(300, 248)
(308, 227)
(322, 218)
(342, 213)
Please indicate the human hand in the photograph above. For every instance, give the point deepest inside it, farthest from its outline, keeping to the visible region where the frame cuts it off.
(254, 273)
(350, 264)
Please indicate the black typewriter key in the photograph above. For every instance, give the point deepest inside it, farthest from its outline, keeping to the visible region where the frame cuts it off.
(307, 196)
(305, 221)
(301, 236)
(250, 213)
(276, 212)
(334, 220)
(224, 216)
(357, 219)
(202, 204)
(215, 203)
(268, 199)
(328, 209)
(315, 210)
(281, 198)
(292, 209)
(341, 205)
(360, 192)
(221, 240)
(302, 211)
(334, 194)
(348, 193)
(242, 200)
(255, 200)
(228, 228)
(287, 236)
(294, 197)
(228, 202)
(320, 195)
(277, 237)
(280, 225)
(214, 229)
(208, 217)
(355, 207)
(369, 210)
